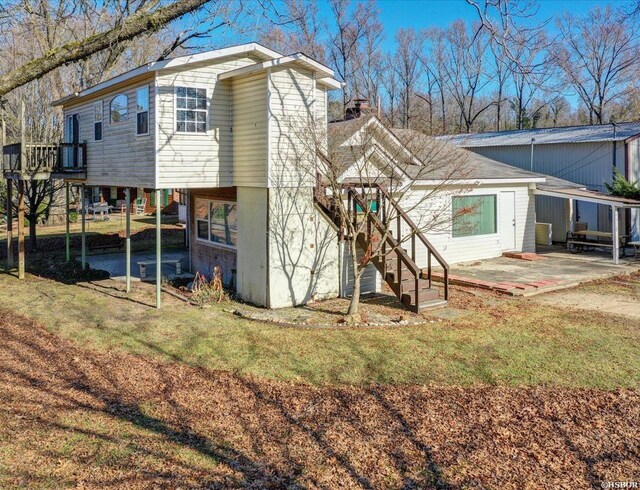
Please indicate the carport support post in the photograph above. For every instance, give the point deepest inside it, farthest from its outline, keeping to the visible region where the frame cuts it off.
(83, 212)
(616, 234)
(127, 194)
(67, 239)
(572, 215)
(158, 247)
(9, 224)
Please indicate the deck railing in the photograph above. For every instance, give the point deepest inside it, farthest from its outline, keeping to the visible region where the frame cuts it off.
(44, 158)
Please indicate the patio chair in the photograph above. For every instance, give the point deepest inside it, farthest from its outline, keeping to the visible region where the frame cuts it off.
(141, 203)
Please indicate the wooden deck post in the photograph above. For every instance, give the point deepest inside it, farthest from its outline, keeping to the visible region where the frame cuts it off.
(83, 213)
(158, 247)
(67, 237)
(127, 193)
(21, 259)
(616, 234)
(9, 224)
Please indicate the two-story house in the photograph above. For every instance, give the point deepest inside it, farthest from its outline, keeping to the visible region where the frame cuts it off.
(219, 126)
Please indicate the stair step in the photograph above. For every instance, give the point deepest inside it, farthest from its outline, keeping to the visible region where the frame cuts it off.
(409, 286)
(406, 276)
(423, 296)
(434, 303)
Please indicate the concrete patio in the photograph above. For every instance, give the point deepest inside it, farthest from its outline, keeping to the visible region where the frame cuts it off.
(114, 264)
(553, 268)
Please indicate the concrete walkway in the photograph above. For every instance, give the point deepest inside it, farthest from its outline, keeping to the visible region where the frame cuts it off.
(114, 264)
(555, 269)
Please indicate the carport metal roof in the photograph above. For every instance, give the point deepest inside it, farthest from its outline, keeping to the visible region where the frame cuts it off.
(582, 194)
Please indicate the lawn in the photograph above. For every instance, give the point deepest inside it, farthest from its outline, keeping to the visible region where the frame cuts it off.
(74, 416)
(99, 389)
(52, 238)
(494, 340)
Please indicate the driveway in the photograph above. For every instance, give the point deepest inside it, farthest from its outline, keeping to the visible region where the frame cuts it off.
(555, 268)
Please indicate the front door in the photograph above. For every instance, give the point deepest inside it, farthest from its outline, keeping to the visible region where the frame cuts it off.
(508, 220)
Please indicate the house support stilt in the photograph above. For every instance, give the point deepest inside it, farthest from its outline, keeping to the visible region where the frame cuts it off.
(21, 209)
(84, 224)
(127, 246)
(158, 247)
(615, 229)
(9, 224)
(67, 237)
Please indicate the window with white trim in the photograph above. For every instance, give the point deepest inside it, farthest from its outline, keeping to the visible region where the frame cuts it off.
(142, 110)
(119, 109)
(474, 215)
(97, 121)
(191, 110)
(217, 222)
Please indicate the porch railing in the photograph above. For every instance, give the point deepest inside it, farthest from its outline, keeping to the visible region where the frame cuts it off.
(32, 158)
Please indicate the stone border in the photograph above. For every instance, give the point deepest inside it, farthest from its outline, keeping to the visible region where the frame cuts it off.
(287, 323)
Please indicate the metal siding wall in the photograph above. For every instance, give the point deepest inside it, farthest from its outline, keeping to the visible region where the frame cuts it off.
(589, 164)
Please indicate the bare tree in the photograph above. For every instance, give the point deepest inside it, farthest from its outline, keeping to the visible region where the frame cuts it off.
(405, 62)
(369, 62)
(366, 160)
(351, 25)
(596, 54)
(300, 30)
(465, 72)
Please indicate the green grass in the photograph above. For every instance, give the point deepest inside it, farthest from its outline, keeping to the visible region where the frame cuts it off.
(509, 342)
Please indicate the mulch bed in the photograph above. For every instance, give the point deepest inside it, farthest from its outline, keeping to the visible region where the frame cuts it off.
(267, 434)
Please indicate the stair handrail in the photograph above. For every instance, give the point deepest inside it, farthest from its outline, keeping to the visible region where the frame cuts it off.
(416, 232)
(396, 248)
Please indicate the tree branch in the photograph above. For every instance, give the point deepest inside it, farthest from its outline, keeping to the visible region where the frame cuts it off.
(138, 23)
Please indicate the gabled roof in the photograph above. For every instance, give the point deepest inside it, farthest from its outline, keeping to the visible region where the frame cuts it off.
(446, 162)
(326, 74)
(176, 62)
(548, 136)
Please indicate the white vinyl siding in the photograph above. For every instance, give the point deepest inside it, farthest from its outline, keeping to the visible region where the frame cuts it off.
(197, 159)
(469, 248)
(121, 158)
(291, 119)
(249, 110)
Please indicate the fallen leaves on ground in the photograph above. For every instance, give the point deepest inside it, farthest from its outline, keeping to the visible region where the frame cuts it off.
(71, 416)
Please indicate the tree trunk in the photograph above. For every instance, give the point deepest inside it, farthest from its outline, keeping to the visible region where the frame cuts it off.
(138, 23)
(355, 297)
(354, 304)
(33, 221)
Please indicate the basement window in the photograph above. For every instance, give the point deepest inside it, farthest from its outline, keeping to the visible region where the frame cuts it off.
(217, 222)
(191, 110)
(474, 215)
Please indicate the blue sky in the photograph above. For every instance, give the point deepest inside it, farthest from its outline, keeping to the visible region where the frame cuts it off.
(419, 14)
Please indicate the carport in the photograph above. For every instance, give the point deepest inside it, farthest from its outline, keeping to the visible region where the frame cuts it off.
(581, 194)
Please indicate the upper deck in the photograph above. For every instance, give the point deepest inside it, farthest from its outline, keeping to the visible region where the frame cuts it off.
(39, 161)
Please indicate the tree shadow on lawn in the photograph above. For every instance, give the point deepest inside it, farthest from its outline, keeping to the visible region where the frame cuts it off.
(266, 434)
(48, 381)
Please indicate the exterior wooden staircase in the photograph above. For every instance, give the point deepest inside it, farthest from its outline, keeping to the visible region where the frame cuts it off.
(386, 232)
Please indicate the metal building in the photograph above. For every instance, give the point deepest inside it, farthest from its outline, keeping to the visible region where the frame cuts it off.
(585, 155)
